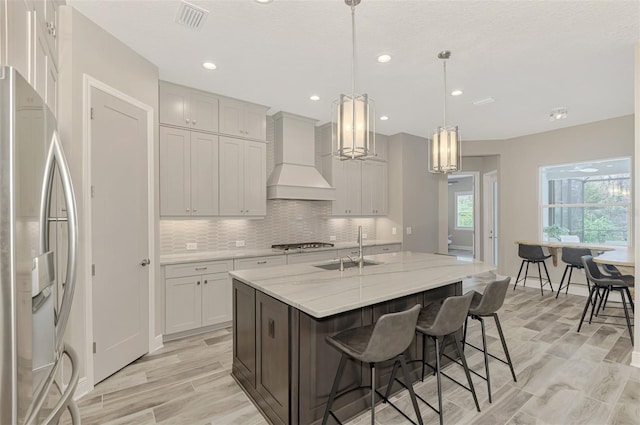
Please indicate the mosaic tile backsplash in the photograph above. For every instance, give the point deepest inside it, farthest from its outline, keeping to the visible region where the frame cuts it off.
(287, 221)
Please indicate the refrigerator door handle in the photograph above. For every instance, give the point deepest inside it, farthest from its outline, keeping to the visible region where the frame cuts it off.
(56, 158)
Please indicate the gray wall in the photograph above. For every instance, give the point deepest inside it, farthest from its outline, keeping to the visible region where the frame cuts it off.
(518, 178)
(460, 239)
(87, 49)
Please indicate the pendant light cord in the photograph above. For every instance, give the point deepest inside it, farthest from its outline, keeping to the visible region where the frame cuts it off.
(353, 51)
(444, 98)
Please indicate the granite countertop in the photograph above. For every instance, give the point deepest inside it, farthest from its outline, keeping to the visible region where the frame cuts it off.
(322, 293)
(191, 257)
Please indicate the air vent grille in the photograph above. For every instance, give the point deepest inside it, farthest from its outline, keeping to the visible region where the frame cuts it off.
(484, 101)
(191, 16)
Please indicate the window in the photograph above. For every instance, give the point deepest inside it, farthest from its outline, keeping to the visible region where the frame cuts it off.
(464, 210)
(587, 201)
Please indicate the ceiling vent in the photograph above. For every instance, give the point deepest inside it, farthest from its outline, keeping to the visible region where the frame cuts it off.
(191, 16)
(485, 101)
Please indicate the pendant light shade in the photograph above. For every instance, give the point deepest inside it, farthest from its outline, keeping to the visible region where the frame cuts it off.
(445, 153)
(353, 126)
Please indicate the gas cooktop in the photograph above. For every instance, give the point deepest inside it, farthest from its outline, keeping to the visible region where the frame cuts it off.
(301, 245)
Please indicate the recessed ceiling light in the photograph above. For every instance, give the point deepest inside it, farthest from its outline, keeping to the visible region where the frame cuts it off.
(558, 114)
(384, 58)
(264, 1)
(456, 93)
(384, 118)
(484, 101)
(209, 65)
(314, 97)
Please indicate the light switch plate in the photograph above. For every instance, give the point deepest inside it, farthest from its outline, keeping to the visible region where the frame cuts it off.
(394, 231)
(332, 238)
(239, 244)
(408, 230)
(191, 246)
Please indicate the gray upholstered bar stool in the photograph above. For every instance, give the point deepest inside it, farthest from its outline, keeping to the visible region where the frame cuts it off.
(573, 258)
(444, 321)
(532, 254)
(487, 304)
(387, 340)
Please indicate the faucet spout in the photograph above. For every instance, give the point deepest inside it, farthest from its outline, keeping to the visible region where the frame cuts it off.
(360, 252)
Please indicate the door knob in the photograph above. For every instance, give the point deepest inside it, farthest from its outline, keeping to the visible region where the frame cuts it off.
(145, 262)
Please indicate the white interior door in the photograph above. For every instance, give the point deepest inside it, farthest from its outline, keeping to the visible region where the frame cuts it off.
(490, 191)
(120, 240)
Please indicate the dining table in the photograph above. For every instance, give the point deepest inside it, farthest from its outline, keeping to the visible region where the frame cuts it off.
(555, 248)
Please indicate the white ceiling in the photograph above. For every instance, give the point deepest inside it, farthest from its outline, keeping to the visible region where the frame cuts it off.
(530, 56)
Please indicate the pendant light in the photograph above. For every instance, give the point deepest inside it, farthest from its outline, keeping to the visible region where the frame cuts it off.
(444, 150)
(353, 128)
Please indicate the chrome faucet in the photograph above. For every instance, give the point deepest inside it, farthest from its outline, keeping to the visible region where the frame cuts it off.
(360, 259)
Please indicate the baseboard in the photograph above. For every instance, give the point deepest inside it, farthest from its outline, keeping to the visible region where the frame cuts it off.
(635, 358)
(465, 248)
(156, 344)
(82, 388)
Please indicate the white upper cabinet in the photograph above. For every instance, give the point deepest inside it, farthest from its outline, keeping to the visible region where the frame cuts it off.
(188, 173)
(374, 188)
(241, 119)
(346, 178)
(184, 107)
(243, 177)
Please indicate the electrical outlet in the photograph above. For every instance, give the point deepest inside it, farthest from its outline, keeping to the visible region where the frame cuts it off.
(408, 230)
(394, 231)
(191, 246)
(364, 236)
(239, 244)
(332, 238)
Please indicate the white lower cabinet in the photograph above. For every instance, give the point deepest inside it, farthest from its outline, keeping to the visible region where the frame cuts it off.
(312, 257)
(196, 295)
(382, 249)
(257, 262)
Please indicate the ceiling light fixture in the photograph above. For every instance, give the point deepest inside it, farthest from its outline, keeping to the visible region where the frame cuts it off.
(384, 58)
(444, 150)
(209, 65)
(558, 114)
(384, 118)
(264, 1)
(456, 93)
(314, 97)
(353, 130)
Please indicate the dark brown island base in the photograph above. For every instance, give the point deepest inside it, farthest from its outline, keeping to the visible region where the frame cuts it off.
(282, 315)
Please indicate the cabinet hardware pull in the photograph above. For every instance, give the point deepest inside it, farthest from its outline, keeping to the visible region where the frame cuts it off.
(194, 122)
(145, 262)
(385, 249)
(195, 210)
(188, 209)
(201, 268)
(205, 282)
(262, 262)
(272, 328)
(187, 121)
(198, 282)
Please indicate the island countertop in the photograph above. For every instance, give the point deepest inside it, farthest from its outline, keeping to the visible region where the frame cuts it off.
(321, 293)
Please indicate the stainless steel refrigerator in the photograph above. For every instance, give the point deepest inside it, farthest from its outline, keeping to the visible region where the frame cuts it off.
(38, 245)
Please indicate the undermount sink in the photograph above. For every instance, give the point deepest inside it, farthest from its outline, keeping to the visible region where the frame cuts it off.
(347, 265)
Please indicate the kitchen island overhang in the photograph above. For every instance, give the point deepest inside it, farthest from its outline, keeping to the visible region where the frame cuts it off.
(283, 314)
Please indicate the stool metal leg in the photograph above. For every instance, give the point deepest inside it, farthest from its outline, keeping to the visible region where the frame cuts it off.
(466, 371)
(518, 278)
(586, 306)
(409, 384)
(438, 379)
(548, 277)
(626, 315)
(373, 393)
(486, 356)
(424, 355)
(568, 281)
(526, 273)
(540, 277)
(562, 281)
(504, 346)
(633, 307)
(334, 388)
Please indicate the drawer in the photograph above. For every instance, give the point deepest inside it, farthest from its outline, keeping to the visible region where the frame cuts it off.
(352, 252)
(256, 262)
(192, 269)
(311, 257)
(383, 249)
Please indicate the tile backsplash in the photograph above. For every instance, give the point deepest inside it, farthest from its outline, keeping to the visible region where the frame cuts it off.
(287, 221)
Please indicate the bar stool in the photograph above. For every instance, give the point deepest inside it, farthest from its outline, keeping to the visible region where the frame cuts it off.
(387, 340)
(532, 254)
(445, 320)
(486, 305)
(573, 258)
(606, 284)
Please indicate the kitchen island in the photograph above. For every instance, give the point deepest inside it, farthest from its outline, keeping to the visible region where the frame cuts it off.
(281, 316)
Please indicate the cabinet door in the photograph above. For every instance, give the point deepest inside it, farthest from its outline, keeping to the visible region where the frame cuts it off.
(216, 299)
(174, 106)
(244, 331)
(204, 174)
(232, 117)
(20, 35)
(353, 183)
(52, 86)
(338, 181)
(231, 167)
(39, 64)
(272, 370)
(183, 309)
(51, 25)
(174, 172)
(380, 190)
(368, 188)
(255, 122)
(255, 178)
(203, 111)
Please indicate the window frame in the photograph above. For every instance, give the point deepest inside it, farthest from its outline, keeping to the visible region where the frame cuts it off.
(457, 216)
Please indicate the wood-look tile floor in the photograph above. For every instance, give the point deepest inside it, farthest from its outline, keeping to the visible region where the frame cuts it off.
(564, 377)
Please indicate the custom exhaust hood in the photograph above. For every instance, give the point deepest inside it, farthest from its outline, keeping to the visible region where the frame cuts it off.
(295, 175)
